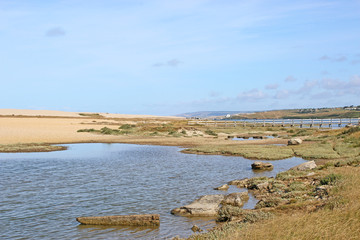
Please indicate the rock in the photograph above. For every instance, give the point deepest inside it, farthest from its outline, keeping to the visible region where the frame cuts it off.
(196, 229)
(223, 187)
(205, 206)
(262, 166)
(262, 186)
(305, 166)
(295, 141)
(236, 199)
(128, 220)
(242, 183)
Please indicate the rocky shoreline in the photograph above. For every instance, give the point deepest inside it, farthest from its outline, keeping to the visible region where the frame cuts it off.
(301, 187)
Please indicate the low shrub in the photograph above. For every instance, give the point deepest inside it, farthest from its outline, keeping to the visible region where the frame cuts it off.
(351, 130)
(210, 132)
(126, 126)
(108, 131)
(330, 179)
(86, 130)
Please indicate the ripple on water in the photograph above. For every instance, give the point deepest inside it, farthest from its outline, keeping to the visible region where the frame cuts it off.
(43, 193)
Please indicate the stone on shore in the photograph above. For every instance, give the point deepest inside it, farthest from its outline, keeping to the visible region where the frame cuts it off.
(205, 206)
(242, 183)
(236, 199)
(223, 187)
(125, 220)
(295, 141)
(305, 166)
(195, 228)
(262, 166)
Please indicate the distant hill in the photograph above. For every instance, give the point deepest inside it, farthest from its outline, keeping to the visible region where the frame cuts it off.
(209, 114)
(316, 113)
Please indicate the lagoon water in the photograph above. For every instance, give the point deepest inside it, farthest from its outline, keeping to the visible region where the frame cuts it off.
(43, 193)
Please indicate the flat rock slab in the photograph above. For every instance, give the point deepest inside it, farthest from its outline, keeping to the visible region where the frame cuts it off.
(205, 206)
(125, 220)
(305, 166)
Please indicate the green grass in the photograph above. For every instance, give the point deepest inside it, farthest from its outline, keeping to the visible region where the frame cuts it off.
(267, 152)
(316, 151)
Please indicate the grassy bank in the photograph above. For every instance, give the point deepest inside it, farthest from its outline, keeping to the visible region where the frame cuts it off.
(318, 144)
(30, 147)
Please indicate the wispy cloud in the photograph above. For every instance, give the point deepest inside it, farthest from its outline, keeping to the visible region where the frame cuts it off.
(171, 63)
(252, 95)
(338, 58)
(324, 58)
(281, 94)
(271, 86)
(340, 88)
(55, 32)
(290, 79)
(307, 87)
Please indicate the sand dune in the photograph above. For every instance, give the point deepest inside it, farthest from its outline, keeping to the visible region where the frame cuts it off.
(51, 113)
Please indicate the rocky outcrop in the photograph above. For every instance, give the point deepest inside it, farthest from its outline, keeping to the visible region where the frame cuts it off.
(262, 166)
(295, 141)
(305, 166)
(236, 199)
(127, 220)
(223, 187)
(205, 206)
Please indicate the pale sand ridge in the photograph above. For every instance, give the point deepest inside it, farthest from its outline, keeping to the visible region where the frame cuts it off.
(51, 113)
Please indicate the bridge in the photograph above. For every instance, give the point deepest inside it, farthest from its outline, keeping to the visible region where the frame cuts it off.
(310, 123)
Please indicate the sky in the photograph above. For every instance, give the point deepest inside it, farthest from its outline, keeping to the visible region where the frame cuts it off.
(165, 57)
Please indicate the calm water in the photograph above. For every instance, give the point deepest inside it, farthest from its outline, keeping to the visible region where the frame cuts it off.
(43, 193)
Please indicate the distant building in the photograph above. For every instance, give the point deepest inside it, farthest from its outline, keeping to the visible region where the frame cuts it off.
(228, 115)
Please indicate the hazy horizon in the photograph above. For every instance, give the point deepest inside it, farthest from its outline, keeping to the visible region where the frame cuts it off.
(171, 57)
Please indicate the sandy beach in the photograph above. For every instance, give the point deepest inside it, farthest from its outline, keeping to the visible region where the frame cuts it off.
(42, 126)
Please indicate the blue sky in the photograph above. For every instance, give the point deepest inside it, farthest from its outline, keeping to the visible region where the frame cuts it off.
(168, 57)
